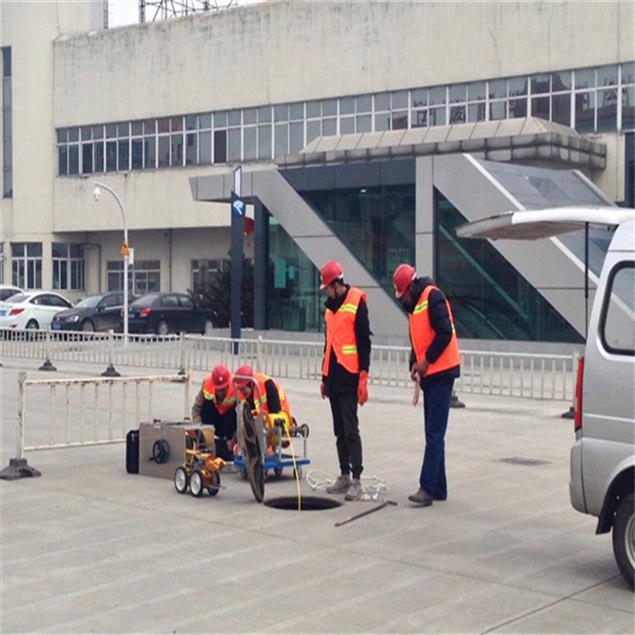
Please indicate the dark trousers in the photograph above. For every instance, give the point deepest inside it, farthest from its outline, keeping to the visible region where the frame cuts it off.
(346, 429)
(437, 394)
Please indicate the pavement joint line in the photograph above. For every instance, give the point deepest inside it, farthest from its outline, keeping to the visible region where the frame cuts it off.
(595, 604)
(535, 611)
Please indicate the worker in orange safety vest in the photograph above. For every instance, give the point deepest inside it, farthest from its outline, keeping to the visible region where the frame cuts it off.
(345, 372)
(215, 405)
(269, 398)
(435, 363)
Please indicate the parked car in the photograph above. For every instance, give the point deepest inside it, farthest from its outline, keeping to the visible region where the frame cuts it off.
(100, 312)
(6, 291)
(603, 458)
(163, 313)
(31, 309)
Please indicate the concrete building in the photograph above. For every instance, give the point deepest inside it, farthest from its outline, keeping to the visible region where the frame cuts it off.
(367, 132)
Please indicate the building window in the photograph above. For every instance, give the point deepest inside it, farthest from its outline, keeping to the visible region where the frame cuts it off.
(68, 266)
(204, 272)
(589, 99)
(26, 265)
(7, 124)
(1, 263)
(143, 277)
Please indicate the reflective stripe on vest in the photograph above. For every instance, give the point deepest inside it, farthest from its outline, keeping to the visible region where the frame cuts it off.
(422, 334)
(209, 392)
(340, 333)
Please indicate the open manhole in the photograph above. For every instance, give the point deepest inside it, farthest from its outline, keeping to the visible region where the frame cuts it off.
(307, 503)
(518, 460)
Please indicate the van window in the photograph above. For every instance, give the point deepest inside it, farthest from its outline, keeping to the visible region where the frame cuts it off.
(618, 316)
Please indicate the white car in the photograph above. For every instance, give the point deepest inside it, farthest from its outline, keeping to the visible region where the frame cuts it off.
(31, 309)
(7, 290)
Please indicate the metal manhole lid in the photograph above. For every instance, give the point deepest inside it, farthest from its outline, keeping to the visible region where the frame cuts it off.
(518, 460)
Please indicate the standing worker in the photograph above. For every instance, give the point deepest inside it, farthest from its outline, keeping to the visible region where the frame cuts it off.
(434, 362)
(215, 405)
(345, 372)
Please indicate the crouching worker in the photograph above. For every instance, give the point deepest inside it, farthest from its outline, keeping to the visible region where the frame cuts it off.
(215, 405)
(270, 399)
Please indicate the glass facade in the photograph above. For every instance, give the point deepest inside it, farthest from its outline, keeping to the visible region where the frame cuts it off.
(377, 224)
(588, 99)
(294, 302)
(490, 299)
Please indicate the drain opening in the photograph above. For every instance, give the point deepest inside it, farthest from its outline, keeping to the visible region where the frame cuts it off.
(517, 460)
(308, 503)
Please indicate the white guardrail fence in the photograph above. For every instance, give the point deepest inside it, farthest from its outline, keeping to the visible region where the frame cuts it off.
(87, 411)
(514, 374)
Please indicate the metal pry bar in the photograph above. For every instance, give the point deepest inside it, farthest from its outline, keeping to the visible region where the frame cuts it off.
(368, 511)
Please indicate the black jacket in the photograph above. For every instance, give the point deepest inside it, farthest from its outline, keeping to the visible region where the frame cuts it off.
(339, 380)
(440, 323)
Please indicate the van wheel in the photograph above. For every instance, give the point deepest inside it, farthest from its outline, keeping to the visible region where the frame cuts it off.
(624, 538)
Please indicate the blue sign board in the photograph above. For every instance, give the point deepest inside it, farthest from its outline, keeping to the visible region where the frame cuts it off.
(238, 205)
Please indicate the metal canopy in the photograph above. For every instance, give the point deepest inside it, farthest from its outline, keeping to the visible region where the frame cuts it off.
(544, 223)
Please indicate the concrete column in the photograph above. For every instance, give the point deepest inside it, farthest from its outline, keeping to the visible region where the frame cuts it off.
(424, 216)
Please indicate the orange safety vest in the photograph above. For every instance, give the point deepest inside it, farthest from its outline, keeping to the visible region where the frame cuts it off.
(209, 392)
(340, 333)
(422, 334)
(260, 399)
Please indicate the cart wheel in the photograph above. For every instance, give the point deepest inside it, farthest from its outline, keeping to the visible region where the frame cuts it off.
(196, 483)
(214, 488)
(298, 471)
(277, 471)
(180, 480)
(243, 473)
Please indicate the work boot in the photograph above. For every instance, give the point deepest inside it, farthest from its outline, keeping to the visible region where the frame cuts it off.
(421, 498)
(354, 492)
(340, 485)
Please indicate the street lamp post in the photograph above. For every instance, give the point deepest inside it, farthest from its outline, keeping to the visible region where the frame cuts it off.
(126, 253)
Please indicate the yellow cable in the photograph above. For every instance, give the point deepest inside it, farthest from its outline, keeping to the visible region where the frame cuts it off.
(295, 469)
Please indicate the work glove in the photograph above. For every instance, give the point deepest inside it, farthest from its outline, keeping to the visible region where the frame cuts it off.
(362, 388)
(322, 390)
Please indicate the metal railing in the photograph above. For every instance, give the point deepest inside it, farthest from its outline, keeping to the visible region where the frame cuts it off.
(91, 411)
(514, 374)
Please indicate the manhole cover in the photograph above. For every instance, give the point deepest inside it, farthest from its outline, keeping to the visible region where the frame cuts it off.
(517, 460)
(307, 503)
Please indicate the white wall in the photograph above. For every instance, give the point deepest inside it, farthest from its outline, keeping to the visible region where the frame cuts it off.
(176, 266)
(290, 51)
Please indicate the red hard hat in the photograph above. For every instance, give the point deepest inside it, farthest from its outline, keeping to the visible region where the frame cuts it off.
(331, 270)
(402, 278)
(220, 376)
(243, 371)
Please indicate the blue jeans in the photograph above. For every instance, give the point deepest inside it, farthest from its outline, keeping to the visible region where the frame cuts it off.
(437, 394)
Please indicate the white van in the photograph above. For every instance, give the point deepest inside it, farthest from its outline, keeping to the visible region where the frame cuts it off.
(603, 457)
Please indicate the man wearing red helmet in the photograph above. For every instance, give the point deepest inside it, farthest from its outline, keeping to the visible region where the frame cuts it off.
(435, 364)
(215, 405)
(270, 398)
(345, 372)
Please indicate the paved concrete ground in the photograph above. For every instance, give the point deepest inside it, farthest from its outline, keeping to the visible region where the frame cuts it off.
(87, 547)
